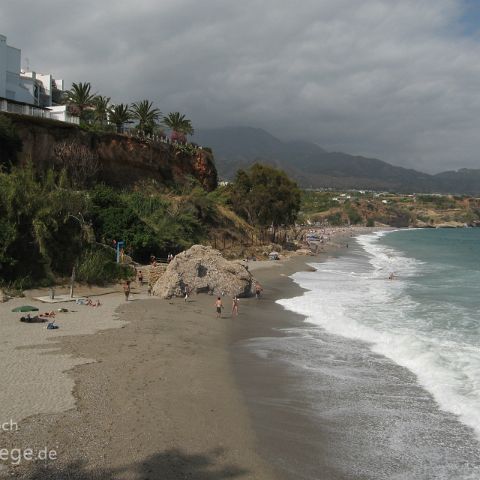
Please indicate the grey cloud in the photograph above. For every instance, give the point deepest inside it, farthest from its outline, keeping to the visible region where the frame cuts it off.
(395, 80)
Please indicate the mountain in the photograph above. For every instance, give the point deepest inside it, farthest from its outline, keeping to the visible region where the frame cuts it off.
(313, 167)
(465, 180)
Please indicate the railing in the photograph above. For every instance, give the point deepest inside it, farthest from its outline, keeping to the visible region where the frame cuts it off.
(11, 106)
(132, 132)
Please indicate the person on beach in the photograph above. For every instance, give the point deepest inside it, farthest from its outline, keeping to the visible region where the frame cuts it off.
(235, 306)
(126, 289)
(149, 289)
(186, 291)
(219, 306)
(258, 290)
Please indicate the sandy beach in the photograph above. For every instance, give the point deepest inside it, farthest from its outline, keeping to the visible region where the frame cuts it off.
(33, 373)
(139, 389)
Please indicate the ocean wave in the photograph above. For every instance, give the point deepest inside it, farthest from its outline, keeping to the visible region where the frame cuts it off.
(350, 297)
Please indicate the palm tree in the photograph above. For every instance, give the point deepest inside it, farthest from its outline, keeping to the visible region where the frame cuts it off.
(146, 115)
(179, 125)
(101, 105)
(119, 115)
(81, 97)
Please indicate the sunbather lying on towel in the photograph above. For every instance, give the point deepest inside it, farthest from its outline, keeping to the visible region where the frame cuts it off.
(35, 319)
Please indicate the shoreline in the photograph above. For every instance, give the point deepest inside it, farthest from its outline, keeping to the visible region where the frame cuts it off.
(325, 406)
(142, 407)
(264, 385)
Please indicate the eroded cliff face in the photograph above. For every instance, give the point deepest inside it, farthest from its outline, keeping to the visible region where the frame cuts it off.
(122, 160)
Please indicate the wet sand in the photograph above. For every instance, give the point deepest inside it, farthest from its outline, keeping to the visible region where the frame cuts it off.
(290, 439)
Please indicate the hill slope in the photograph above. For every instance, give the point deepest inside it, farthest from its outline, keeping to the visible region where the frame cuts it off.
(313, 167)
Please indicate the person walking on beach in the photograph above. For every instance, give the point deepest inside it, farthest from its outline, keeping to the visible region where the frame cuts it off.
(219, 306)
(126, 289)
(186, 290)
(235, 306)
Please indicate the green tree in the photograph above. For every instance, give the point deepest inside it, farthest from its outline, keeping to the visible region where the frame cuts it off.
(353, 215)
(179, 125)
(119, 115)
(102, 107)
(40, 235)
(265, 196)
(146, 115)
(10, 143)
(335, 219)
(81, 98)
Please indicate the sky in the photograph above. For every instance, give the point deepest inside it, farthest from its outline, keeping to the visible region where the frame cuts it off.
(397, 80)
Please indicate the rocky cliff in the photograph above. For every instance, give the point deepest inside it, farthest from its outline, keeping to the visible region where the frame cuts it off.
(120, 160)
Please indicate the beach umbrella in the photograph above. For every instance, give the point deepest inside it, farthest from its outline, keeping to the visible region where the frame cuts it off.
(25, 308)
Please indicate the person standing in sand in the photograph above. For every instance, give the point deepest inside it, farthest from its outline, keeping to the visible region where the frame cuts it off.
(186, 291)
(219, 306)
(126, 289)
(235, 306)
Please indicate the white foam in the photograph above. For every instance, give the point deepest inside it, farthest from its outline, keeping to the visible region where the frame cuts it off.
(354, 299)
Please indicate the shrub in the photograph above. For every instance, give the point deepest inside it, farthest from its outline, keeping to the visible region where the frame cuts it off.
(10, 143)
(98, 266)
(354, 216)
(335, 219)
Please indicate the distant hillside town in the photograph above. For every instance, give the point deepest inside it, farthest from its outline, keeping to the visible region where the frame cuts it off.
(26, 92)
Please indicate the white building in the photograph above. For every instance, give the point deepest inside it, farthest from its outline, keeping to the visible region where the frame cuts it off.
(11, 86)
(24, 86)
(29, 93)
(40, 87)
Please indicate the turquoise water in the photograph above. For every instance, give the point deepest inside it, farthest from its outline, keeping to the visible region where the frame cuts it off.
(427, 319)
(450, 276)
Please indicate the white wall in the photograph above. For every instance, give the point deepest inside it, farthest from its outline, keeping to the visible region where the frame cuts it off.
(28, 87)
(11, 86)
(3, 65)
(14, 90)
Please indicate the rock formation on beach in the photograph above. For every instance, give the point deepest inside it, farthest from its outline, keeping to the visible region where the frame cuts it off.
(204, 269)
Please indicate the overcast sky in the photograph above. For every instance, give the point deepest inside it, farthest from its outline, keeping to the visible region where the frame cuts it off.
(394, 79)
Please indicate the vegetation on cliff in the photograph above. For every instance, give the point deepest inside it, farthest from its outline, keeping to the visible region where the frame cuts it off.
(54, 220)
(369, 208)
(9, 141)
(47, 227)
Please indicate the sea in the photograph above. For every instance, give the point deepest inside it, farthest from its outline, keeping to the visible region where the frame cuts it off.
(387, 360)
